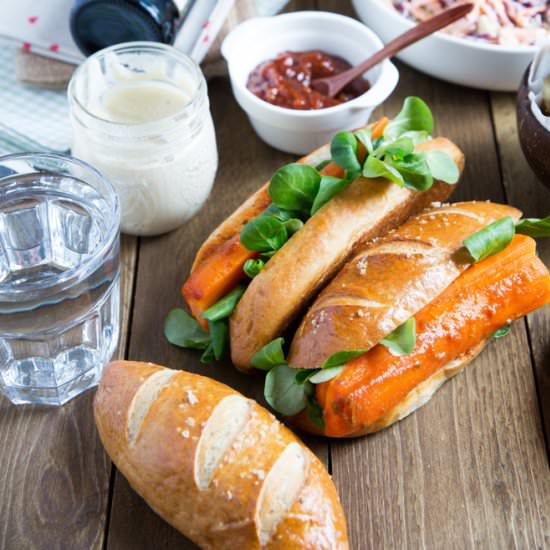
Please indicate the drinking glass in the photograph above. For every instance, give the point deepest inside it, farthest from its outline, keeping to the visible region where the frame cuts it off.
(59, 277)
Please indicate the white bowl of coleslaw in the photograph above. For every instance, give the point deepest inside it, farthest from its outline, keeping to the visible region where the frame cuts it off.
(465, 60)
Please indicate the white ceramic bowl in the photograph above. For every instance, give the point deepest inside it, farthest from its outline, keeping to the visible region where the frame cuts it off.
(262, 38)
(459, 60)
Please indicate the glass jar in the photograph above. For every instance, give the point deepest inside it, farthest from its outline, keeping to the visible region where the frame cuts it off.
(140, 114)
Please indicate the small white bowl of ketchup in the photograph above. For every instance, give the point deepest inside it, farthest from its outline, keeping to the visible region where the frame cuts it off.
(293, 125)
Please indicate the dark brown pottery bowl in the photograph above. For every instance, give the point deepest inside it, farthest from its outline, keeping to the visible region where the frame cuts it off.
(533, 137)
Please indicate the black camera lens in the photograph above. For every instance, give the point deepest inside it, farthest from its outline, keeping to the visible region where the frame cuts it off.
(97, 24)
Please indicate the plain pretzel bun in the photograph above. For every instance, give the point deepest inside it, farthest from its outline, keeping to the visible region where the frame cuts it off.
(214, 464)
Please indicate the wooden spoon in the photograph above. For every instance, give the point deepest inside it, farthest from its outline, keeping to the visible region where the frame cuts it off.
(331, 85)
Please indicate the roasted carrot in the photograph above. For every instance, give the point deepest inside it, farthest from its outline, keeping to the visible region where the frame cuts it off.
(485, 297)
(222, 269)
(332, 169)
(378, 127)
(215, 277)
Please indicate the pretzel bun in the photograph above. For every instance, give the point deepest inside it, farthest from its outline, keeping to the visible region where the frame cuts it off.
(390, 280)
(214, 464)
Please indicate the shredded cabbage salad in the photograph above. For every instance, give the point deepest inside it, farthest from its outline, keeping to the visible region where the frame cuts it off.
(504, 22)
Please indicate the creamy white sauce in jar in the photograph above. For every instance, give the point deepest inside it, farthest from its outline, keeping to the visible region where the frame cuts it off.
(140, 115)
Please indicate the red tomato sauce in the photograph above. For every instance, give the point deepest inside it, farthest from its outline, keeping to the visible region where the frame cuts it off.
(286, 80)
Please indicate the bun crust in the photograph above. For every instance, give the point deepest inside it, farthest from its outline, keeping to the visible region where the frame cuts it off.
(215, 465)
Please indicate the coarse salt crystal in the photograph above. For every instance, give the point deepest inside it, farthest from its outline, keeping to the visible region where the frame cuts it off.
(362, 266)
(191, 397)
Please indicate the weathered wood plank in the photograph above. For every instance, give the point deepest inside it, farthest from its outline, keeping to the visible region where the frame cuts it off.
(527, 193)
(128, 258)
(54, 479)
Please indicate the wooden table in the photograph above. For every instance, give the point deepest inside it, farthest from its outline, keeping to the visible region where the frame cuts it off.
(468, 470)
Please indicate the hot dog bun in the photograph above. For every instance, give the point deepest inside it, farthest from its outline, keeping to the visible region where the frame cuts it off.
(382, 385)
(390, 280)
(214, 464)
(366, 209)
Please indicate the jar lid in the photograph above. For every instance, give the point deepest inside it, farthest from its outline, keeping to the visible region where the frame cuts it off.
(97, 24)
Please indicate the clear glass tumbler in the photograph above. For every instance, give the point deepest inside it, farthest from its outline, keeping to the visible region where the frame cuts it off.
(59, 277)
